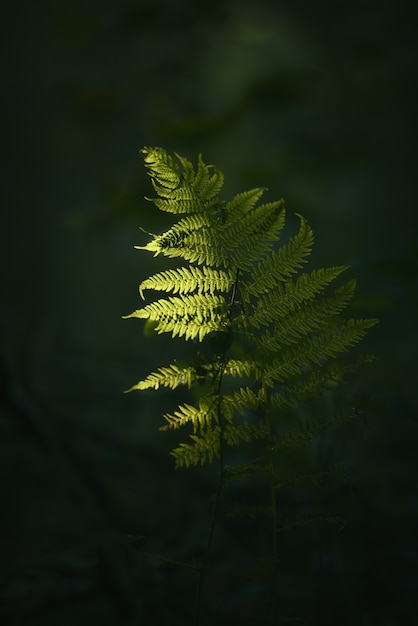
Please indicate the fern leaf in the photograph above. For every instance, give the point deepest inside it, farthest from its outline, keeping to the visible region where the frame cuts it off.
(162, 169)
(180, 190)
(294, 395)
(203, 246)
(184, 227)
(285, 298)
(191, 316)
(171, 376)
(187, 170)
(243, 470)
(201, 417)
(252, 237)
(315, 350)
(282, 264)
(250, 368)
(184, 280)
(241, 204)
(205, 185)
(244, 398)
(204, 448)
(234, 434)
(309, 316)
(278, 328)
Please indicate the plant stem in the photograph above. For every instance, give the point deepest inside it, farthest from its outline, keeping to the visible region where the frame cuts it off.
(220, 420)
(202, 569)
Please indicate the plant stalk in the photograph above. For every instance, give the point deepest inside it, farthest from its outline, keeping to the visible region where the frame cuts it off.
(220, 420)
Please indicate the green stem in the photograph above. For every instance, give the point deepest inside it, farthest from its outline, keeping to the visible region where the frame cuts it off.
(202, 569)
(220, 421)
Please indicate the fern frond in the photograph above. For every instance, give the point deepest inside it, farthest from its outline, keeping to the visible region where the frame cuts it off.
(203, 245)
(280, 264)
(163, 171)
(187, 170)
(206, 445)
(204, 448)
(205, 185)
(309, 316)
(171, 376)
(339, 369)
(315, 350)
(294, 395)
(204, 280)
(191, 316)
(233, 434)
(241, 204)
(201, 417)
(245, 431)
(285, 298)
(271, 332)
(243, 470)
(270, 327)
(180, 190)
(244, 398)
(252, 237)
(188, 224)
(250, 368)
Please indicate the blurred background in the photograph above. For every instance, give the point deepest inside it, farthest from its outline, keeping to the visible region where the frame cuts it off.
(317, 102)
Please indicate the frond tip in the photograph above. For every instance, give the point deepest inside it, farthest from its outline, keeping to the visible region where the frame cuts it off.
(179, 188)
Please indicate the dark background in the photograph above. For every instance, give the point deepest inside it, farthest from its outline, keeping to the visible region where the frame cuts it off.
(316, 101)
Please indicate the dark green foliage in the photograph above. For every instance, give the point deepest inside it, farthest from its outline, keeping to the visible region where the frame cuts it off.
(272, 331)
(271, 338)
